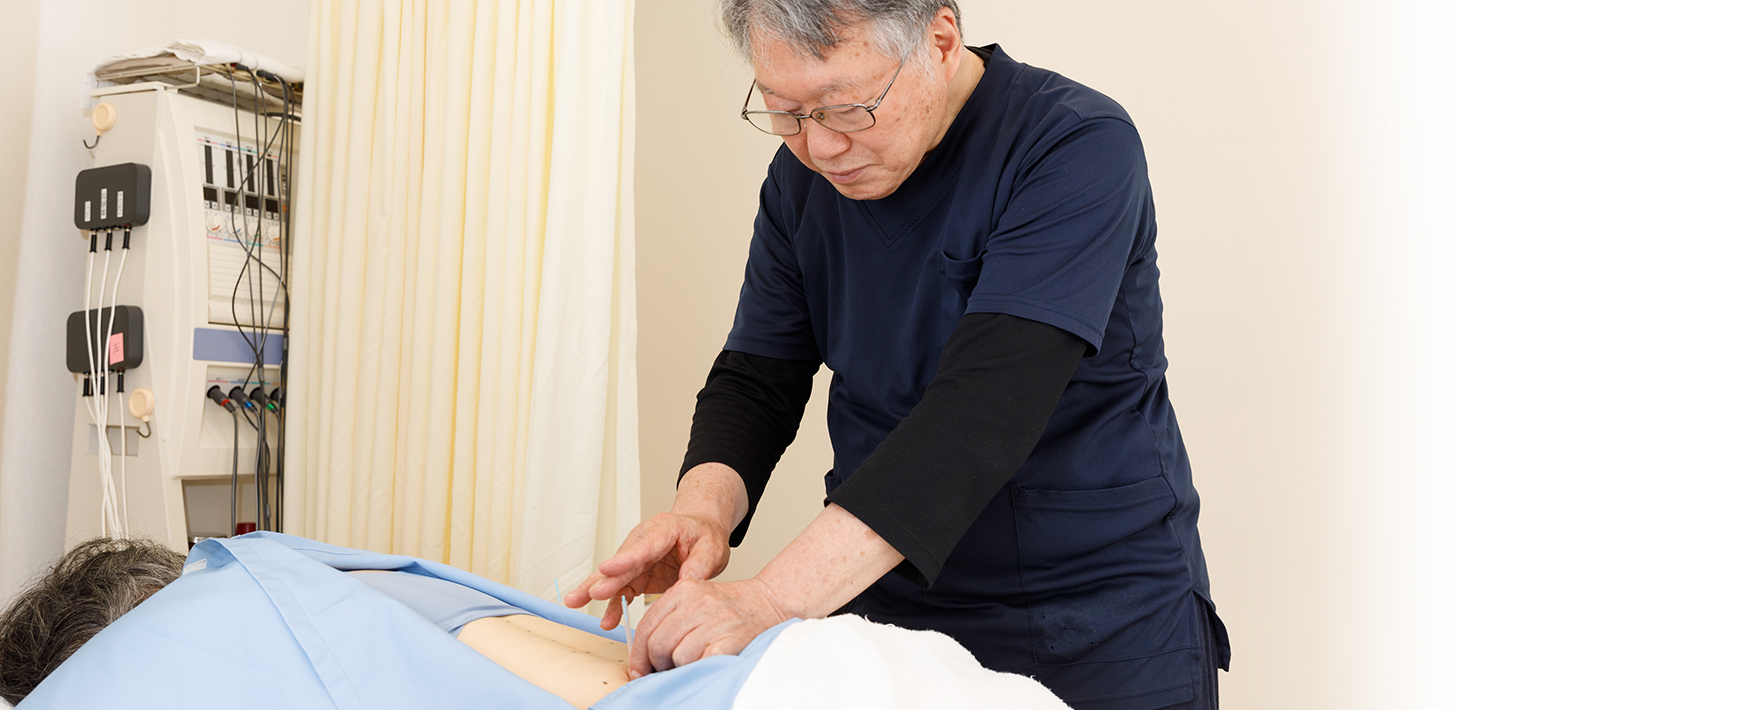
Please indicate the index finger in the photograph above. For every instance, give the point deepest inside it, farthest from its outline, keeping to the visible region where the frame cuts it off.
(582, 593)
(639, 551)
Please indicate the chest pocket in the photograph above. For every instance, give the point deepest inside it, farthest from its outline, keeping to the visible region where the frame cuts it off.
(962, 274)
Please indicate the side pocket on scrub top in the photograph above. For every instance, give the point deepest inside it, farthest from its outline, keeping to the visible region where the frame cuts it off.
(1098, 567)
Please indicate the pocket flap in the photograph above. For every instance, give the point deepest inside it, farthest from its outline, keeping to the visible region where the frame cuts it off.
(962, 271)
(1139, 493)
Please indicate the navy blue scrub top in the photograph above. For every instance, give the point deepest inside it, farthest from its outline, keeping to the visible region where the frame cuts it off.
(1085, 571)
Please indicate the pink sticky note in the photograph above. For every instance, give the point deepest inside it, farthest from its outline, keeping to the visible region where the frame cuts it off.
(115, 348)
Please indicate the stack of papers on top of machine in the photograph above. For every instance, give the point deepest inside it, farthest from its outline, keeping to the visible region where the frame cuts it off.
(182, 56)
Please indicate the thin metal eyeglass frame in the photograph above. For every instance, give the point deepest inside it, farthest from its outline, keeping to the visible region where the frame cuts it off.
(747, 113)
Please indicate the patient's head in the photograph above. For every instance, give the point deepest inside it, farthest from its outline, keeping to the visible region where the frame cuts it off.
(93, 584)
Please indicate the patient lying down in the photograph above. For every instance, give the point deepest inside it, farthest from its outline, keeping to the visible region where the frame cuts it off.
(100, 580)
(273, 621)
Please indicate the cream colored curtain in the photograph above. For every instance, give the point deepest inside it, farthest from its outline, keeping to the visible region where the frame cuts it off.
(461, 363)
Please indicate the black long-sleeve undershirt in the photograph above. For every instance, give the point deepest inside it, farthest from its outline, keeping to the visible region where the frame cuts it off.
(997, 383)
(747, 413)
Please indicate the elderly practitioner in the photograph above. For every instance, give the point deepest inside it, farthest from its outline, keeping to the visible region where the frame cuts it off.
(968, 242)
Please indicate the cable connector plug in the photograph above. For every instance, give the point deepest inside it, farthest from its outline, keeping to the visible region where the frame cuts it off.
(219, 398)
(262, 399)
(237, 396)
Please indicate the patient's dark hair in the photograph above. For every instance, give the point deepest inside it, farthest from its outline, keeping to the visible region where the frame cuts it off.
(93, 584)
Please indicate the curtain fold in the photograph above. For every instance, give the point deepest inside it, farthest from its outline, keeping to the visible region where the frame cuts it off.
(461, 349)
(587, 339)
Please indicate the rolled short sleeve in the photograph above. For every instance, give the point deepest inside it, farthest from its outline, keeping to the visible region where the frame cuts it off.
(1080, 212)
(773, 319)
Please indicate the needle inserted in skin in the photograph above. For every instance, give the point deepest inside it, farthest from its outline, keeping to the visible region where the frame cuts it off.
(629, 634)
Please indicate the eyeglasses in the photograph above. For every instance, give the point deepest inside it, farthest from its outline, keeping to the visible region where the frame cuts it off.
(843, 118)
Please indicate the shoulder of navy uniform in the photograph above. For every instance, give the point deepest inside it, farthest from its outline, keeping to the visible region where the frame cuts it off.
(1050, 91)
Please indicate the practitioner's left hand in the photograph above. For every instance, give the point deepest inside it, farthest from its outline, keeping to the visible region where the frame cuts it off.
(698, 619)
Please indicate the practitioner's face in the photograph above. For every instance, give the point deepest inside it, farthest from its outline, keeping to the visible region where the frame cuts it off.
(914, 114)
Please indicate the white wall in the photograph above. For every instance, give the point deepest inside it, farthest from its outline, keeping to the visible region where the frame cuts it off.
(45, 270)
(1605, 353)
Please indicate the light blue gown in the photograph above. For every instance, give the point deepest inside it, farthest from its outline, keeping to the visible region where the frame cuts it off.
(271, 621)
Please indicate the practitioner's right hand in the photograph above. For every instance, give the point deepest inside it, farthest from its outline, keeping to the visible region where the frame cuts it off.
(658, 552)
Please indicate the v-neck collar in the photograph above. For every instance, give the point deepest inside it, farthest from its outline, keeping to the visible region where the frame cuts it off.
(927, 187)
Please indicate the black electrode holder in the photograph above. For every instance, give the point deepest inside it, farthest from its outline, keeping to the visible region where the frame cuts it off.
(113, 196)
(126, 329)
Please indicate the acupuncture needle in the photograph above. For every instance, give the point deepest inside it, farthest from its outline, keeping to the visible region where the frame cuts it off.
(629, 635)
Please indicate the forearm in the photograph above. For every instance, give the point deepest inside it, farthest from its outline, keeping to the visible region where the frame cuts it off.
(712, 491)
(832, 561)
(747, 414)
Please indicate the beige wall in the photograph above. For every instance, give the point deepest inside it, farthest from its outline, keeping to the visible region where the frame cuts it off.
(1290, 171)
(698, 168)
(18, 49)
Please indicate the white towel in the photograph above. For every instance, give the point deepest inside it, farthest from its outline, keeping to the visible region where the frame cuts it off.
(852, 663)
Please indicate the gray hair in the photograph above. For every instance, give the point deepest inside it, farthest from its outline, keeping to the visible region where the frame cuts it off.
(93, 585)
(813, 26)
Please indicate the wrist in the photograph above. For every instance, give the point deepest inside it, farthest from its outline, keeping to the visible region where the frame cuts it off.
(784, 596)
(712, 492)
(786, 607)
